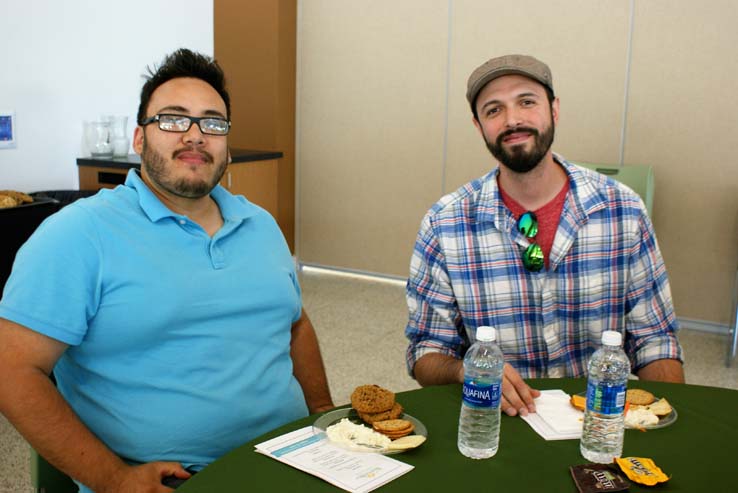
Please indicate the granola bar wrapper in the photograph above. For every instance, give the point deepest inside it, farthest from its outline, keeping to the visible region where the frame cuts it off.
(642, 470)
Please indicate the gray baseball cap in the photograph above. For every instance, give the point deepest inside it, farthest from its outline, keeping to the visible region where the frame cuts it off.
(506, 65)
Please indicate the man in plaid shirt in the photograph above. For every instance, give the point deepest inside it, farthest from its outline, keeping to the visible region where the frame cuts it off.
(548, 253)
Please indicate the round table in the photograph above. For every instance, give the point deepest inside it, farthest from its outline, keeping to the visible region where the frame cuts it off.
(697, 451)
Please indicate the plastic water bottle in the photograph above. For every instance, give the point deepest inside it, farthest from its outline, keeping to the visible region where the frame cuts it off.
(479, 421)
(604, 417)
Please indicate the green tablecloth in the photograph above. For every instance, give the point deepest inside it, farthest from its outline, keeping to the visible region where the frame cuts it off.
(697, 451)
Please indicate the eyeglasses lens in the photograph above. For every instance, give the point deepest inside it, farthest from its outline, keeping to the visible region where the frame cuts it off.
(533, 257)
(528, 224)
(214, 126)
(174, 123)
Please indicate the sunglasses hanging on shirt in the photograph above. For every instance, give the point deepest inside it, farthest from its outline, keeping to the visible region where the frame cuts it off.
(533, 255)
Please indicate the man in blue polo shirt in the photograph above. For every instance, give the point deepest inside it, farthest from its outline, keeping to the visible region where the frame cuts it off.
(168, 309)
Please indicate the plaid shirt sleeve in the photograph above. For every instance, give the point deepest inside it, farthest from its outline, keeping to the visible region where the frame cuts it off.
(651, 324)
(434, 322)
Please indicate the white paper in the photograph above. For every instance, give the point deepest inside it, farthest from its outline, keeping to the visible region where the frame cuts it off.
(358, 472)
(555, 418)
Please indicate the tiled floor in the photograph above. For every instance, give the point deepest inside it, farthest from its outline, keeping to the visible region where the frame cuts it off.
(360, 326)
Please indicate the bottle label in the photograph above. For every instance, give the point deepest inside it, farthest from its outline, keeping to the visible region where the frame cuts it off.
(605, 399)
(481, 395)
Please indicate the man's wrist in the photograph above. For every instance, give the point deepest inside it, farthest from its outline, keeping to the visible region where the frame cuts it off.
(110, 476)
(322, 408)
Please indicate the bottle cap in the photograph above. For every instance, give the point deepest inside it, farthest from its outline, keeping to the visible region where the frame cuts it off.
(611, 338)
(486, 333)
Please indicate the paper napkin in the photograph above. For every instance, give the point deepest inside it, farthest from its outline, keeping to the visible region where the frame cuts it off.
(555, 418)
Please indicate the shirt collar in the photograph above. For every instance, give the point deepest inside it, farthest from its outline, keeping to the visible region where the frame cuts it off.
(232, 208)
(583, 200)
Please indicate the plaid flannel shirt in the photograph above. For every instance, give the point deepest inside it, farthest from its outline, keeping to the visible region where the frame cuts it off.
(605, 273)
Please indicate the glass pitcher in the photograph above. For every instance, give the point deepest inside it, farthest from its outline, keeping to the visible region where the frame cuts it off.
(119, 135)
(98, 138)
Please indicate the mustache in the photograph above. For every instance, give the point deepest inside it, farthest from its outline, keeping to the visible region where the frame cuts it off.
(208, 157)
(506, 133)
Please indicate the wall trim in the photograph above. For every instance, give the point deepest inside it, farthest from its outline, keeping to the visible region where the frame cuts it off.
(358, 273)
(703, 326)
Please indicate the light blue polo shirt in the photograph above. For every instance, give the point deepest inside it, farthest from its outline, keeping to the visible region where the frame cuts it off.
(179, 343)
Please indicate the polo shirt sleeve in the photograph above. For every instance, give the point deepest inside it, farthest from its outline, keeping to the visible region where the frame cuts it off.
(54, 286)
(298, 290)
(651, 324)
(433, 312)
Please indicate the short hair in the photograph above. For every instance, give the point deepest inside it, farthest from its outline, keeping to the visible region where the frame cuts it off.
(184, 63)
(549, 95)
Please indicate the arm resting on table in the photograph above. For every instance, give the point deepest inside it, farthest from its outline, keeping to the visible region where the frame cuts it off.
(29, 400)
(663, 370)
(438, 369)
(308, 366)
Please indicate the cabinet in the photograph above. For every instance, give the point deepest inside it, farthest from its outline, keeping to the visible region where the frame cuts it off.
(97, 177)
(257, 181)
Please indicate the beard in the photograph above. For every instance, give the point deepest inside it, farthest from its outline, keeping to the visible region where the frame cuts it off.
(159, 172)
(517, 159)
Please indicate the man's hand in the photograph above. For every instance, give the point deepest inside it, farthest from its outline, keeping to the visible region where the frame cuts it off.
(146, 478)
(517, 396)
(440, 369)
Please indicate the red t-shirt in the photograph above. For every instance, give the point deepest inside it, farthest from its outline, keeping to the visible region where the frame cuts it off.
(548, 217)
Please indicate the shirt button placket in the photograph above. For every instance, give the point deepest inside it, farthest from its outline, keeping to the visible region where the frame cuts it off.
(217, 259)
(550, 326)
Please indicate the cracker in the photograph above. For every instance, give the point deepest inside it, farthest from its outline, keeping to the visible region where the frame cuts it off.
(639, 397)
(660, 407)
(372, 399)
(395, 436)
(392, 425)
(578, 401)
(407, 442)
(394, 428)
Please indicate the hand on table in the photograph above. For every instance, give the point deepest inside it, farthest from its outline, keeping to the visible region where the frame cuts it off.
(146, 478)
(517, 396)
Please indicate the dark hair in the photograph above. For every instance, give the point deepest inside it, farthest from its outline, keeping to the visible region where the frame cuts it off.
(549, 95)
(184, 63)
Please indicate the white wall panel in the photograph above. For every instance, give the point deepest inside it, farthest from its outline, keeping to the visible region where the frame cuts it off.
(66, 62)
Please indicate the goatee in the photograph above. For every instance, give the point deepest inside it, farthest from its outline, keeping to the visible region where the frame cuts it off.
(517, 159)
(157, 169)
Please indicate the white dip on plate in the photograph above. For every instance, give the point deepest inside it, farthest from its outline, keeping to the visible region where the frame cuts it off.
(357, 437)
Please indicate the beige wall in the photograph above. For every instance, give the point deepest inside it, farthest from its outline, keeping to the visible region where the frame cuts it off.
(371, 85)
(683, 119)
(384, 128)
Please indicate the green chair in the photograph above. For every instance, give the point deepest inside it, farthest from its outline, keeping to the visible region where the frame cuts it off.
(45, 478)
(638, 177)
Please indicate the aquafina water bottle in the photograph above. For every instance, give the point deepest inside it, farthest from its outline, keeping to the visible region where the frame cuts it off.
(479, 422)
(604, 416)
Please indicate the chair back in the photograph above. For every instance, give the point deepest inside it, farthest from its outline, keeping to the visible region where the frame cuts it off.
(638, 177)
(17, 224)
(45, 478)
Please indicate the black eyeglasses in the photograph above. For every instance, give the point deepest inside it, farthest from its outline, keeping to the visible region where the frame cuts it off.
(533, 255)
(182, 123)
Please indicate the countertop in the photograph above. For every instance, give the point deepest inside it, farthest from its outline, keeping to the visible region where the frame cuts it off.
(134, 160)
